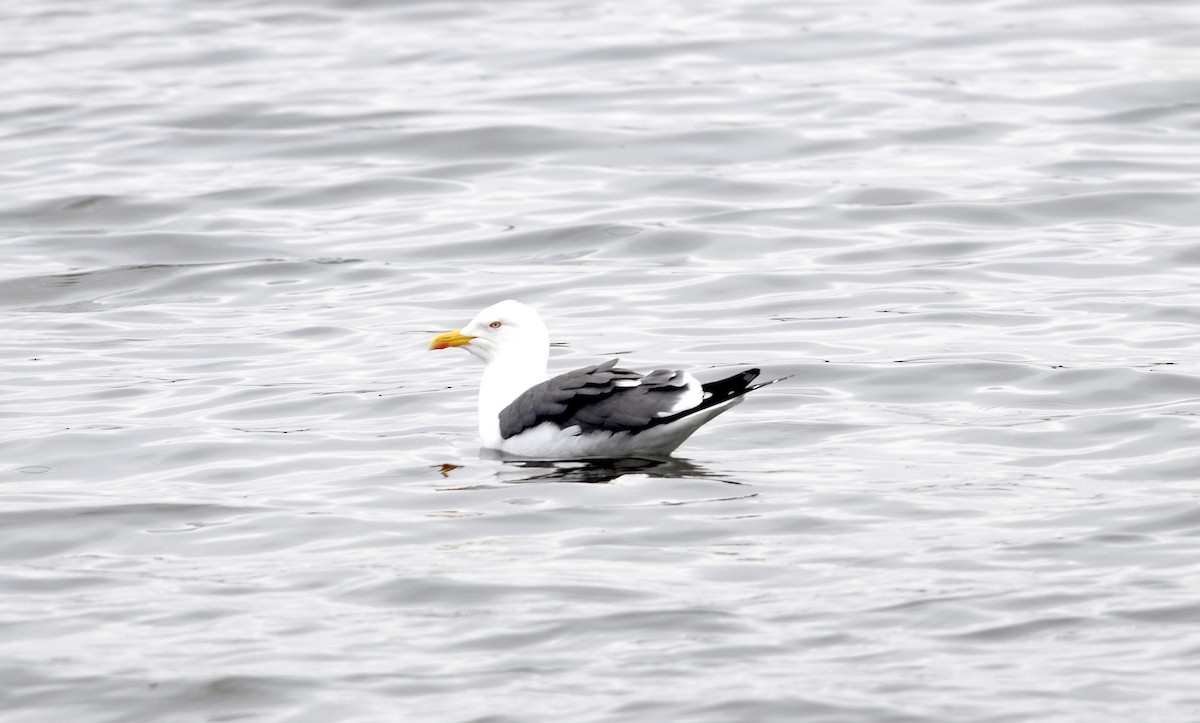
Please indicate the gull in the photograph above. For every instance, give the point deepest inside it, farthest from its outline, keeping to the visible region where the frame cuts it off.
(600, 411)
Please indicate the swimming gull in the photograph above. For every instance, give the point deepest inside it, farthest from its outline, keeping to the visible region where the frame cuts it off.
(600, 411)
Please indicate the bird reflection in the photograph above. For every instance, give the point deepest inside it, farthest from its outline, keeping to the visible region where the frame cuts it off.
(591, 471)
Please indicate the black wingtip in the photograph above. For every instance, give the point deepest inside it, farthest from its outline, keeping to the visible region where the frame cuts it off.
(730, 387)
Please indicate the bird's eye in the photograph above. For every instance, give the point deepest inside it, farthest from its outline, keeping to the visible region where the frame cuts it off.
(495, 325)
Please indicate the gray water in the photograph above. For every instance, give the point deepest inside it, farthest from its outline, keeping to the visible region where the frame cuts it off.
(235, 486)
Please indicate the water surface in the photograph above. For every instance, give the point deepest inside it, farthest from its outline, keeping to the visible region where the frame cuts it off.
(236, 487)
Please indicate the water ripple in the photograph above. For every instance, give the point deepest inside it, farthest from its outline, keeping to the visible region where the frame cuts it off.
(237, 486)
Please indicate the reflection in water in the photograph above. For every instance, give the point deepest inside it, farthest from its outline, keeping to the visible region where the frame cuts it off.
(592, 471)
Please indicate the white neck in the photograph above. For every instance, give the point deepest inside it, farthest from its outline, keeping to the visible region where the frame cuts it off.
(505, 378)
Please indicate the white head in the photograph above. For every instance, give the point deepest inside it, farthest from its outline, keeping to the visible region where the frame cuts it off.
(509, 332)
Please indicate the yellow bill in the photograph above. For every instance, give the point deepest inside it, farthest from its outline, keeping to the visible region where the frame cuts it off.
(449, 339)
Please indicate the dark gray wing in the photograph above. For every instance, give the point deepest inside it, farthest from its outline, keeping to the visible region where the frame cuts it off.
(600, 397)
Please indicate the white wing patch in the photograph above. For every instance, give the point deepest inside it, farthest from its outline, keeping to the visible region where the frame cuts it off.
(693, 394)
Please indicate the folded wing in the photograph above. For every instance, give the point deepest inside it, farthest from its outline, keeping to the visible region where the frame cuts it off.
(607, 398)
